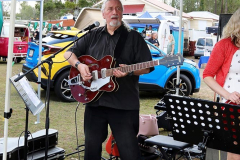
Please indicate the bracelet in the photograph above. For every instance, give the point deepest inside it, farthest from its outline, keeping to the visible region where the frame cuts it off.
(76, 64)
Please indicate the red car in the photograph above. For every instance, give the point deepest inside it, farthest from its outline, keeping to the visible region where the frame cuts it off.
(21, 39)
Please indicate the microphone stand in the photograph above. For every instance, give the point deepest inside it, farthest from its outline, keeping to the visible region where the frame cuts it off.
(49, 62)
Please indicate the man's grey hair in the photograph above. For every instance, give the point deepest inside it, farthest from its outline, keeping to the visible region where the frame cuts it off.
(104, 4)
(125, 24)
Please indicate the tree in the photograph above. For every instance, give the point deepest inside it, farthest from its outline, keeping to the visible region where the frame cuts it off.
(189, 5)
(175, 4)
(6, 8)
(54, 10)
(70, 5)
(201, 8)
(26, 12)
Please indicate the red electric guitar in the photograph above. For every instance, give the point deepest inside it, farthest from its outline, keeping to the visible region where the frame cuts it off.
(102, 75)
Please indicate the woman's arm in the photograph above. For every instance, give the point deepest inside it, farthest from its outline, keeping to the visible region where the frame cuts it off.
(212, 83)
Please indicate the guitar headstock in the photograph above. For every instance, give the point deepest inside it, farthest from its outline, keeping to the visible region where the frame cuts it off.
(171, 60)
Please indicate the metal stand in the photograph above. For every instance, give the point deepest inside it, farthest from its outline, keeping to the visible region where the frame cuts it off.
(205, 123)
(26, 135)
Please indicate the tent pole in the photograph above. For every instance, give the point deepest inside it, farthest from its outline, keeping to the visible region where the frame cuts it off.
(40, 56)
(179, 47)
(8, 75)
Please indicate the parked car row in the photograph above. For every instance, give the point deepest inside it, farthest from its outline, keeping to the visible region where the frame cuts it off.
(161, 79)
(204, 44)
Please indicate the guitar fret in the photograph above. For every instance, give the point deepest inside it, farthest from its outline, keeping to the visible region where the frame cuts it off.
(134, 67)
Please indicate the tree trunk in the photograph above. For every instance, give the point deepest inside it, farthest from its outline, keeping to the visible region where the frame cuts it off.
(215, 7)
(222, 2)
(226, 6)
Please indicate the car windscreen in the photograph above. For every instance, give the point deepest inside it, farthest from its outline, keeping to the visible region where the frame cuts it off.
(154, 51)
(5, 31)
(209, 42)
(201, 42)
(58, 38)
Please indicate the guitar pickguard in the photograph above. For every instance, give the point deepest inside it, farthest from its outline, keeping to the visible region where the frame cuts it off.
(98, 83)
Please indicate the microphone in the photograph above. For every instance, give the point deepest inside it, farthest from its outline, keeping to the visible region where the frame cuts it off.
(95, 24)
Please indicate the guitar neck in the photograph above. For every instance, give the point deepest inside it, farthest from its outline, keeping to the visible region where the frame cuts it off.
(133, 67)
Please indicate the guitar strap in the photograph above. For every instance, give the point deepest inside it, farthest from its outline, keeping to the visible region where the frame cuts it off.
(120, 44)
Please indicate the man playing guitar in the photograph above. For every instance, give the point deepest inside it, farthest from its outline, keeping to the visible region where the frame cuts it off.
(119, 109)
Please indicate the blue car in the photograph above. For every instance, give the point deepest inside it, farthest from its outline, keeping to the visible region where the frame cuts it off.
(164, 79)
(161, 79)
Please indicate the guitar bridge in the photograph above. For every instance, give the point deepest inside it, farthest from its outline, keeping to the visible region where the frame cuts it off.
(75, 81)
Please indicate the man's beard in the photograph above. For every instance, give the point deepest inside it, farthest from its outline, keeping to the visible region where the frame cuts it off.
(115, 23)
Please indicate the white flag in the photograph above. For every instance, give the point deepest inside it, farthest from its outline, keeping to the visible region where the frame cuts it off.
(46, 23)
(61, 23)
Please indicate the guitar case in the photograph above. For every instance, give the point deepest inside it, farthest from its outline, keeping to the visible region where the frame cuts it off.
(36, 145)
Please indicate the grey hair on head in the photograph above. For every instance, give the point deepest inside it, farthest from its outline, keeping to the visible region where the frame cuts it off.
(104, 4)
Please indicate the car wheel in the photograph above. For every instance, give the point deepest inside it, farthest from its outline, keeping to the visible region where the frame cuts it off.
(17, 60)
(196, 57)
(62, 89)
(185, 85)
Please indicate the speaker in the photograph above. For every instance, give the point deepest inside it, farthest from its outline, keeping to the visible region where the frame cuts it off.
(223, 20)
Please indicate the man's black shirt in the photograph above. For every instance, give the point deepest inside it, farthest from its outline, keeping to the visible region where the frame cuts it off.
(99, 43)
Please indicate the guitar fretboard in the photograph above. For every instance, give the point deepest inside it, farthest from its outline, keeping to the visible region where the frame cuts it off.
(133, 67)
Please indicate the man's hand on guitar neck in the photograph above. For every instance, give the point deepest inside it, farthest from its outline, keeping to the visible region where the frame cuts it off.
(84, 72)
(117, 73)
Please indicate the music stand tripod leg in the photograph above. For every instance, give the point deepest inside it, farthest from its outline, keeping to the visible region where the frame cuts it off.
(26, 135)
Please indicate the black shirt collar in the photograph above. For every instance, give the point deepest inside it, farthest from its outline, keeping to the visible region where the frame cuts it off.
(116, 31)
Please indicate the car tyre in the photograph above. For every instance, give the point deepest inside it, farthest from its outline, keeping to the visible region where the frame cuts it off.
(17, 60)
(185, 85)
(62, 89)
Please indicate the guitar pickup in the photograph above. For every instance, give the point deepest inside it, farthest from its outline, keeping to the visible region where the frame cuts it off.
(75, 81)
(95, 75)
(103, 73)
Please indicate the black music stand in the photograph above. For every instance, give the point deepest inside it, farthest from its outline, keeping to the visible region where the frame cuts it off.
(32, 102)
(205, 123)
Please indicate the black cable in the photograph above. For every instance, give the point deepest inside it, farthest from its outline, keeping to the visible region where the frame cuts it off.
(32, 142)
(18, 144)
(77, 130)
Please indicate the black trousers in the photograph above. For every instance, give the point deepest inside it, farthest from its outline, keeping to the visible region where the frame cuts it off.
(124, 125)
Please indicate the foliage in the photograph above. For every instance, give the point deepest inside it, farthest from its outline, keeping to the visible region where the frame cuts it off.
(84, 3)
(6, 8)
(70, 5)
(213, 6)
(26, 12)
